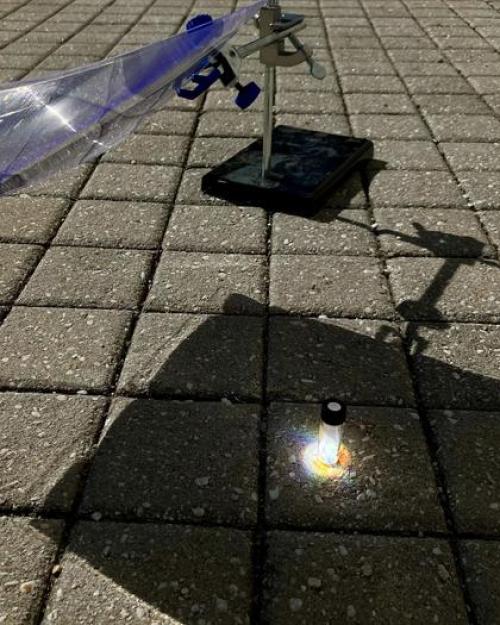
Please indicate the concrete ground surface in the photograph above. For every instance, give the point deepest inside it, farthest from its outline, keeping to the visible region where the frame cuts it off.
(163, 356)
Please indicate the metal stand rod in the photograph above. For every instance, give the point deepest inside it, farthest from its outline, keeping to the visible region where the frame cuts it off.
(267, 134)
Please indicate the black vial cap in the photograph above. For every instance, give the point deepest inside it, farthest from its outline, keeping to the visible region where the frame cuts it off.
(333, 412)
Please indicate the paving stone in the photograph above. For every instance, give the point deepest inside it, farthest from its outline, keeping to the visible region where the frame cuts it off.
(169, 123)
(430, 232)
(467, 156)
(150, 150)
(133, 182)
(313, 102)
(61, 349)
(481, 187)
(389, 483)
(197, 355)
(389, 127)
(464, 127)
(482, 562)
(406, 43)
(345, 232)
(88, 277)
(231, 124)
(492, 222)
(408, 155)
(450, 104)
(28, 219)
(362, 579)
(29, 547)
(340, 286)
(437, 84)
(446, 289)
(135, 573)
(359, 361)
(422, 189)
(198, 282)
(210, 151)
(16, 263)
(485, 84)
(378, 103)
(457, 365)
(335, 124)
(301, 82)
(190, 189)
(468, 454)
(371, 84)
(66, 183)
(195, 462)
(425, 69)
(45, 439)
(101, 223)
(217, 229)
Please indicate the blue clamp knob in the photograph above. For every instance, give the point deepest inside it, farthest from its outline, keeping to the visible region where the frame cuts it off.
(247, 94)
(198, 21)
(203, 83)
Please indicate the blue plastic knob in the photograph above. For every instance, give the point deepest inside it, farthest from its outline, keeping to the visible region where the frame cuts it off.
(198, 21)
(247, 95)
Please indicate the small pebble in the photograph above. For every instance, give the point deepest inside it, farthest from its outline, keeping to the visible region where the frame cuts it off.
(295, 604)
(27, 587)
(351, 611)
(314, 582)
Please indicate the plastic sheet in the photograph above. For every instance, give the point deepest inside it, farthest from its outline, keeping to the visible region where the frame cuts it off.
(74, 116)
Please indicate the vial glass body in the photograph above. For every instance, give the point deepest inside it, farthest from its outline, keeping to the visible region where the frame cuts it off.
(330, 437)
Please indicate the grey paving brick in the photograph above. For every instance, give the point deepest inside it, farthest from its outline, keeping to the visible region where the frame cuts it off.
(422, 189)
(66, 183)
(408, 155)
(101, 223)
(482, 562)
(446, 288)
(492, 222)
(169, 123)
(133, 182)
(45, 439)
(426, 69)
(313, 102)
(485, 84)
(339, 286)
(345, 232)
(65, 349)
(88, 277)
(457, 365)
(28, 219)
(231, 124)
(388, 483)
(467, 452)
(437, 84)
(155, 573)
(150, 150)
(379, 103)
(450, 104)
(190, 189)
(28, 550)
(406, 43)
(202, 282)
(302, 82)
(210, 151)
(336, 124)
(356, 360)
(389, 127)
(467, 156)
(326, 578)
(217, 229)
(464, 127)
(481, 187)
(16, 263)
(195, 462)
(371, 84)
(430, 232)
(197, 355)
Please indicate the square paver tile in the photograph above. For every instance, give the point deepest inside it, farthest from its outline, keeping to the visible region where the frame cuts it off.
(481, 187)
(467, 156)
(178, 461)
(421, 189)
(150, 150)
(210, 151)
(330, 580)
(450, 104)
(437, 85)
(464, 127)
(356, 360)
(467, 451)
(446, 288)
(198, 282)
(101, 223)
(169, 123)
(430, 232)
(457, 365)
(64, 349)
(408, 155)
(330, 231)
(224, 229)
(88, 277)
(230, 124)
(16, 263)
(117, 572)
(482, 562)
(190, 189)
(388, 483)
(27, 219)
(45, 442)
(379, 103)
(340, 286)
(66, 183)
(117, 181)
(389, 127)
(29, 547)
(197, 355)
(491, 220)
(371, 84)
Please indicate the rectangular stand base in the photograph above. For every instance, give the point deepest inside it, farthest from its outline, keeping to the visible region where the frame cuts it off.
(306, 166)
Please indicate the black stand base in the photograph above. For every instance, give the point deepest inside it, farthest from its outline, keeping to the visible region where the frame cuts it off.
(305, 168)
